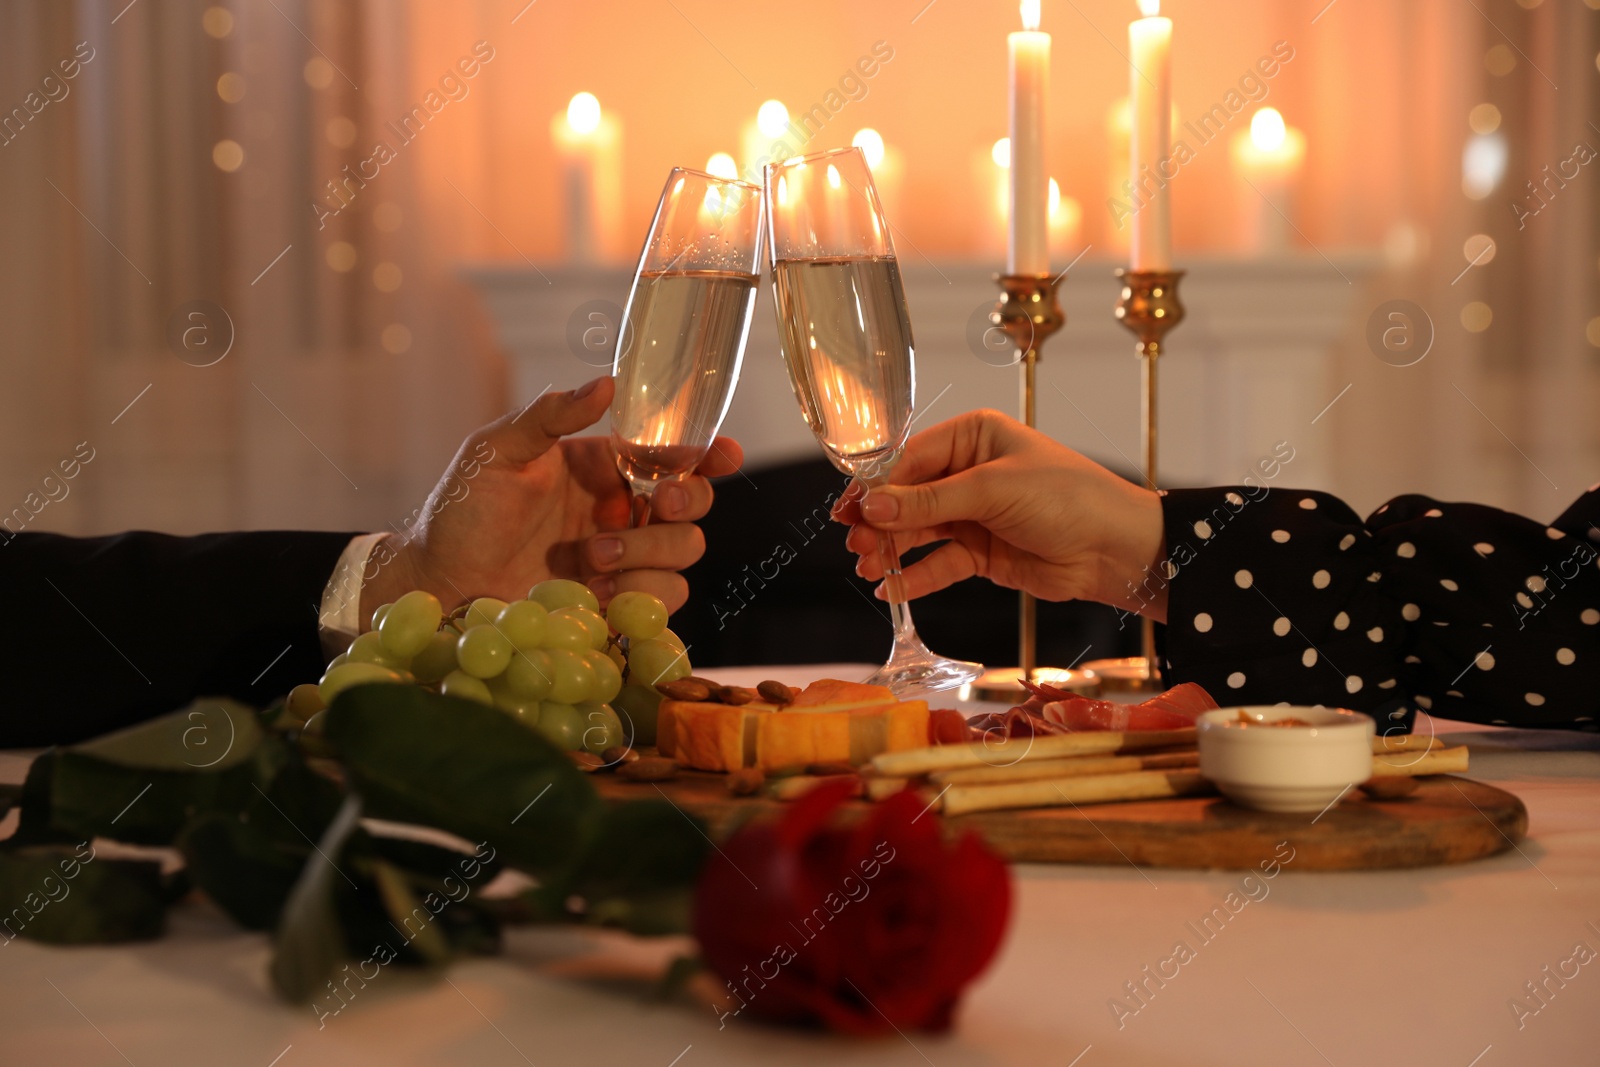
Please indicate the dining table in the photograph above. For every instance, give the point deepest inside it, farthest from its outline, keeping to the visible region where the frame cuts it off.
(1479, 964)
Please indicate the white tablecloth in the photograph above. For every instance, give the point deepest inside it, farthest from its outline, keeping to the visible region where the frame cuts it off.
(1391, 967)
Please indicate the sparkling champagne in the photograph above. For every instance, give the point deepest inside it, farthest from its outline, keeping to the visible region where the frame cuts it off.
(676, 367)
(847, 342)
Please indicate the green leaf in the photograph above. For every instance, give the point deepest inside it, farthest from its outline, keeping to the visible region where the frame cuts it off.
(408, 914)
(68, 896)
(143, 784)
(34, 825)
(433, 864)
(462, 767)
(639, 848)
(310, 940)
(212, 734)
(248, 873)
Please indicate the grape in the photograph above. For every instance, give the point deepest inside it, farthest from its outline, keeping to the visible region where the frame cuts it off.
(593, 623)
(572, 678)
(602, 729)
(346, 675)
(368, 648)
(338, 661)
(637, 616)
(519, 707)
(563, 592)
(608, 680)
(378, 613)
(464, 686)
(410, 622)
(564, 631)
(522, 623)
(654, 662)
(637, 705)
(562, 724)
(529, 674)
(303, 702)
(483, 612)
(437, 659)
(482, 652)
(672, 639)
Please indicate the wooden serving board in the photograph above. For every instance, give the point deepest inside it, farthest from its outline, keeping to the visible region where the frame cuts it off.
(1447, 820)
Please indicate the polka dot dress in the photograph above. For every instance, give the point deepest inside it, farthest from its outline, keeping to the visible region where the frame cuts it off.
(1463, 610)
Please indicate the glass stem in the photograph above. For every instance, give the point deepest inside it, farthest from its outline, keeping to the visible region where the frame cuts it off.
(640, 510)
(894, 589)
(893, 581)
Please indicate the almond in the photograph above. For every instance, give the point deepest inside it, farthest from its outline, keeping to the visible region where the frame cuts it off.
(649, 769)
(775, 693)
(746, 782)
(690, 689)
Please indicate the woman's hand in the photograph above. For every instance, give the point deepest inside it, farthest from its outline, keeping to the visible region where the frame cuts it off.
(519, 504)
(1012, 506)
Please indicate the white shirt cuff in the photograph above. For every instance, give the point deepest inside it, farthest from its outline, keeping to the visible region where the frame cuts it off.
(339, 617)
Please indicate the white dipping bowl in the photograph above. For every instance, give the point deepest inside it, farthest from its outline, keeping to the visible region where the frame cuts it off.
(1285, 768)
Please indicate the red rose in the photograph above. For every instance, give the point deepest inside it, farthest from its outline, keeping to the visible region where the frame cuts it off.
(863, 928)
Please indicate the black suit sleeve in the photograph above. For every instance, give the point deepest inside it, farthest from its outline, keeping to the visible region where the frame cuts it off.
(107, 631)
(1466, 610)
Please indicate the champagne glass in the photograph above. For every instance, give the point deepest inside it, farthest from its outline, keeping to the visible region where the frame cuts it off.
(846, 340)
(683, 334)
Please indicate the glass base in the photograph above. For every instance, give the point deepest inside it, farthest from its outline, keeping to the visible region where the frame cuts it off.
(916, 670)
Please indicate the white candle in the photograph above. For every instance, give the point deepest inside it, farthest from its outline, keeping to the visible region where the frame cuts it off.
(1029, 249)
(587, 142)
(1150, 44)
(1268, 156)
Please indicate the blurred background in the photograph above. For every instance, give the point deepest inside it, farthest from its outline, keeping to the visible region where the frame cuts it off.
(268, 261)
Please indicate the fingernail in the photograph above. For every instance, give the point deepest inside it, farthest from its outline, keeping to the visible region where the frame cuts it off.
(607, 550)
(603, 589)
(589, 387)
(670, 498)
(880, 507)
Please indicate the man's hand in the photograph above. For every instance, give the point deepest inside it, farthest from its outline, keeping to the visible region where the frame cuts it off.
(518, 505)
(1012, 506)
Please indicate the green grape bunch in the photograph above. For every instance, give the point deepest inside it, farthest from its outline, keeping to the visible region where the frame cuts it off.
(553, 662)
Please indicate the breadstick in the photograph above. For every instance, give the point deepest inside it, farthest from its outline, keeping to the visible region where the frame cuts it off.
(883, 788)
(1076, 767)
(1141, 785)
(1382, 744)
(1411, 764)
(917, 761)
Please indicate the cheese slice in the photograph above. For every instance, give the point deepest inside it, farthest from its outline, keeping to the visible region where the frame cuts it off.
(719, 737)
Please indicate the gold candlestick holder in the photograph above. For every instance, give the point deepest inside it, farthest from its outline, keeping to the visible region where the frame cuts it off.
(1149, 307)
(1028, 312)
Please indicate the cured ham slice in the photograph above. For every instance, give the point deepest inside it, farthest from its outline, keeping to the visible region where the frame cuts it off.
(1055, 711)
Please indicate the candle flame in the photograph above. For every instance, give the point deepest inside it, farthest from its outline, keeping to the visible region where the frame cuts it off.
(722, 165)
(1001, 152)
(1149, 8)
(583, 113)
(1267, 129)
(772, 118)
(1030, 14)
(870, 141)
